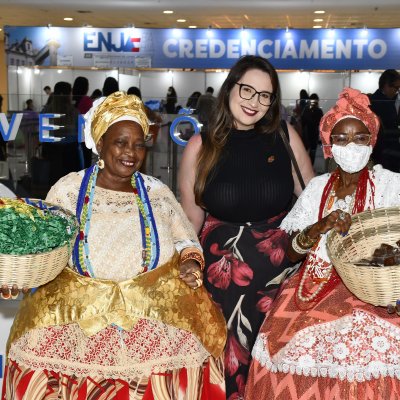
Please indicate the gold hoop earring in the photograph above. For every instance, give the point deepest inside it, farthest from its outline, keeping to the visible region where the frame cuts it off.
(100, 163)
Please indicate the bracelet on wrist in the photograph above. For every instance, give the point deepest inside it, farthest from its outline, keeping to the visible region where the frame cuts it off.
(297, 248)
(195, 256)
(304, 240)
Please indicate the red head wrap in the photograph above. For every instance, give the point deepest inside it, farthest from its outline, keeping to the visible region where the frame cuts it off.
(351, 103)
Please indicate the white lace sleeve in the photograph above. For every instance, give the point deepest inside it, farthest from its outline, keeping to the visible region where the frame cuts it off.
(184, 234)
(305, 211)
(387, 187)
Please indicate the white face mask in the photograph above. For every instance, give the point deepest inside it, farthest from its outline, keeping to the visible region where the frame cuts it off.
(351, 158)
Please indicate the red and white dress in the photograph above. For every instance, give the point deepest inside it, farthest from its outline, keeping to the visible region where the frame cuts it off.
(336, 348)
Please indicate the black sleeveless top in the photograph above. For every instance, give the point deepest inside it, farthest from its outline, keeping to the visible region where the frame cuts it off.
(253, 179)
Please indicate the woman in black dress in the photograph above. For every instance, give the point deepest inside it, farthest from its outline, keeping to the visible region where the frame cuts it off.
(171, 100)
(236, 185)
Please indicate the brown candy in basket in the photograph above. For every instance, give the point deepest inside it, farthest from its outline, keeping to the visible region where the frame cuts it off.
(385, 255)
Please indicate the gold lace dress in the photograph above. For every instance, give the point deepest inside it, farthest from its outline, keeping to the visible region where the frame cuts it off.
(108, 337)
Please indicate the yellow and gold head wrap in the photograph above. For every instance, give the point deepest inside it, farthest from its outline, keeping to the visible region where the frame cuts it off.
(106, 111)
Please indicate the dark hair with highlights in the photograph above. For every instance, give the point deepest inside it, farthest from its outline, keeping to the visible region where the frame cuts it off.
(222, 120)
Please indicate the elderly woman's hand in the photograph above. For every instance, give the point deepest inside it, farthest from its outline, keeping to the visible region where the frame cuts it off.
(191, 274)
(338, 220)
(6, 293)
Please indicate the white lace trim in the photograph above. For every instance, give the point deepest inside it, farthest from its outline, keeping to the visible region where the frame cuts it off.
(150, 347)
(357, 347)
(115, 236)
(305, 211)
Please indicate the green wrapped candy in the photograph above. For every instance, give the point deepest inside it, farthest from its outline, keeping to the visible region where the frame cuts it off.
(25, 229)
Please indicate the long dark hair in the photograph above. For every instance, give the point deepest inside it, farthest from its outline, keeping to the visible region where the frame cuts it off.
(61, 104)
(222, 120)
(80, 89)
(110, 86)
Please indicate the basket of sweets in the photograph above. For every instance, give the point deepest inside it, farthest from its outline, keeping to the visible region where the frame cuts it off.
(36, 241)
(368, 258)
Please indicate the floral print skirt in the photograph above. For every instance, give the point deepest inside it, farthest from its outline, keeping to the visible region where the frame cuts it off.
(245, 264)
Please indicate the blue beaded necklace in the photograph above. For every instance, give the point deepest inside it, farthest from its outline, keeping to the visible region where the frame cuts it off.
(150, 240)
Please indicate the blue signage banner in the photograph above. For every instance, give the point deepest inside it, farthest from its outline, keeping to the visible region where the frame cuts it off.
(325, 49)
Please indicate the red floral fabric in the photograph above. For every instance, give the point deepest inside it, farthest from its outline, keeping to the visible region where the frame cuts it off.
(244, 263)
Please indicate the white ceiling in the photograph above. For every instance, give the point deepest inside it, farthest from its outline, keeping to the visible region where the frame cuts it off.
(202, 13)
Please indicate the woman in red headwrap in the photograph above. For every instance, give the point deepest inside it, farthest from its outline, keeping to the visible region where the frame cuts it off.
(319, 341)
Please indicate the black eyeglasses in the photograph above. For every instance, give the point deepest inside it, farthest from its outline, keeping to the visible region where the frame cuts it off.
(247, 92)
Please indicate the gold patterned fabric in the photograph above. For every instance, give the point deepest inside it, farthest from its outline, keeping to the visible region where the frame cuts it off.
(97, 303)
(115, 106)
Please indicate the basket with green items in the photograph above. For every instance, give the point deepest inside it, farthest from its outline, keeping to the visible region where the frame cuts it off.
(36, 241)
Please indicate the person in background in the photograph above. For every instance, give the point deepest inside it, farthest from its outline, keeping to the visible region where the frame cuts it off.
(64, 155)
(128, 318)
(303, 100)
(80, 99)
(47, 90)
(236, 184)
(96, 94)
(135, 91)
(110, 86)
(49, 93)
(29, 105)
(310, 120)
(384, 99)
(30, 128)
(301, 104)
(383, 103)
(192, 101)
(83, 104)
(205, 107)
(171, 100)
(319, 341)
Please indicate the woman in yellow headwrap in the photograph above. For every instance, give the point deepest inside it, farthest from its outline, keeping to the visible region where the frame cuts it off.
(129, 319)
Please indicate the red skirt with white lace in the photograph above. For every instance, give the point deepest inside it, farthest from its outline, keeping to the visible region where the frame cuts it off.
(340, 348)
(153, 360)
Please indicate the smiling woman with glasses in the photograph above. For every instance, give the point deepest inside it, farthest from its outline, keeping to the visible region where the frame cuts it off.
(236, 184)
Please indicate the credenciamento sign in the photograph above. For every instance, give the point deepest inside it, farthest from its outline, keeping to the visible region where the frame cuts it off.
(338, 49)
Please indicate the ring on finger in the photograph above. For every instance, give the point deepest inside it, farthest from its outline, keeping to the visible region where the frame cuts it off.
(196, 274)
(342, 215)
(199, 283)
(5, 296)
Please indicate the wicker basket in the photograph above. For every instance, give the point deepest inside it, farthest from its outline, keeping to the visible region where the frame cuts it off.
(375, 285)
(33, 270)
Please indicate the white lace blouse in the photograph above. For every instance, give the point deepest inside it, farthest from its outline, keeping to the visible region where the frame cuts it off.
(115, 241)
(305, 211)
